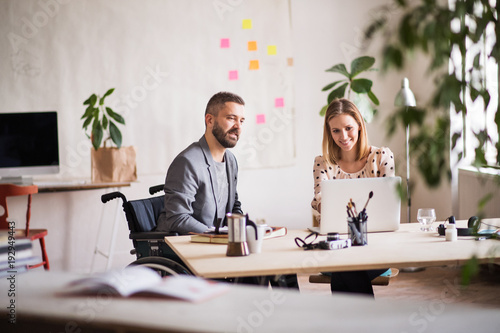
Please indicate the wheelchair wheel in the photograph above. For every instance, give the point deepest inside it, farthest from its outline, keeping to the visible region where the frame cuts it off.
(162, 266)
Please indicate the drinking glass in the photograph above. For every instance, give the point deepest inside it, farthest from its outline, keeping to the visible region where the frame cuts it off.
(426, 216)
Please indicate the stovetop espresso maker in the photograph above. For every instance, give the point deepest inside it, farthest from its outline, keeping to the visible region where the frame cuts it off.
(237, 235)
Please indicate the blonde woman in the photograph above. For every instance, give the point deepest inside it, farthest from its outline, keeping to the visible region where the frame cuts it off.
(348, 155)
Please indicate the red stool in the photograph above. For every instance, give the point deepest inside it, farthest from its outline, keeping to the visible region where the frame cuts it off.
(10, 190)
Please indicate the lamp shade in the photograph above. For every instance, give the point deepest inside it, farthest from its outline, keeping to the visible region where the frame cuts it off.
(405, 96)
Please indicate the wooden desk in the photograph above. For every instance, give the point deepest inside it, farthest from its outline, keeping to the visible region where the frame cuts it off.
(37, 308)
(407, 247)
(76, 185)
(50, 186)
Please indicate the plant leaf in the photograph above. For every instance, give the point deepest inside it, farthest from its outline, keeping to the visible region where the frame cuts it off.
(115, 133)
(323, 110)
(361, 86)
(87, 122)
(93, 99)
(118, 118)
(373, 98)
(469, 270)
(88, 112)
(97, 134)
(109, 92)
(454, 139)
(361, 64)
(331, 85)
(337, 93)
(104, 122)
(339, 68)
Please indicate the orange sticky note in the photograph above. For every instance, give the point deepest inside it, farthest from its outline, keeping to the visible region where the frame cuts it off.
(260, 118)
(289, 61)
(254, 64)
(271, 49)
(252, 46)
(246, 24)
(233, 75)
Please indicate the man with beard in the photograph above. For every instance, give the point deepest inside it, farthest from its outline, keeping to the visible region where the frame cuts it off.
(200, 186)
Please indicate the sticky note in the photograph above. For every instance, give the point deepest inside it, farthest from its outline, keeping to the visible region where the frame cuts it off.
(279, 103)
(233, 75)
(261, 118)
(289, 61)
(247, 24)
(252, 46)
(224, 43)
(254, 64)
(271, 49)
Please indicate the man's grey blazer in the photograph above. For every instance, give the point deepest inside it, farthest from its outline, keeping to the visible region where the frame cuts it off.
(191, 190)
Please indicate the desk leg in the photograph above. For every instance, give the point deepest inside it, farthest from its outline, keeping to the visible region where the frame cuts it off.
(111, 251)
(111, 248)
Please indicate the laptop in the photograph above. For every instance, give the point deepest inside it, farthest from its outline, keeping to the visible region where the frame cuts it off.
(383, 209)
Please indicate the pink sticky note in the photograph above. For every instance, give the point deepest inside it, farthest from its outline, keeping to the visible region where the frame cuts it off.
(279, 103)
(224, 43)
(261, 118)
(233, 75)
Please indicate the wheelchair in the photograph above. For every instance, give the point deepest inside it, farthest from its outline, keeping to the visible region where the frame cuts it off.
(152, 251)
(150, 247)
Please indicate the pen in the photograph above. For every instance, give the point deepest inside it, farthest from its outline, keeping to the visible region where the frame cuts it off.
(369, 197)
(354, 207)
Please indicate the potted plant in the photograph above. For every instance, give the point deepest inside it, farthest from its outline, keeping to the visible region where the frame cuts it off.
(449, 34)
(363, 97)
(109, 164)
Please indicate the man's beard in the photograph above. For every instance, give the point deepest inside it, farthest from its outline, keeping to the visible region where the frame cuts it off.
(221, 136)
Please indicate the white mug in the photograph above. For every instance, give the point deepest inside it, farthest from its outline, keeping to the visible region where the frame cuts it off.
(255, 243)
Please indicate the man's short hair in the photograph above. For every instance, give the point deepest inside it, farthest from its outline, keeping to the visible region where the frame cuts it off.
(217, 102)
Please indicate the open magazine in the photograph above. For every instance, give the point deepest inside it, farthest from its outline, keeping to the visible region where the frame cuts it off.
(143, 281)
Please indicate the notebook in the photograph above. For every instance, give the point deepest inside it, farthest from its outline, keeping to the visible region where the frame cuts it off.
(383, 209)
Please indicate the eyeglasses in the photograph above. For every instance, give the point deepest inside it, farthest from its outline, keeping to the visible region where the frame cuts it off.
(305, 244)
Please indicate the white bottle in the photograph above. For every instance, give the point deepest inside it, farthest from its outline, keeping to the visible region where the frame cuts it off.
(451, 234)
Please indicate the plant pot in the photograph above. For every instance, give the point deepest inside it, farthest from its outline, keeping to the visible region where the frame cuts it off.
(113, 164)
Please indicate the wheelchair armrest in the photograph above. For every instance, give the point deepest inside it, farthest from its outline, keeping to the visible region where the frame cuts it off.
(113, 195)
(151, 235)
(156, 189)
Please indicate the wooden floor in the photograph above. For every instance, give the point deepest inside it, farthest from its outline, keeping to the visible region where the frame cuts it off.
(431, 284)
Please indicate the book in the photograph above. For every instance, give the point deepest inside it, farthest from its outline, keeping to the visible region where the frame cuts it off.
(143, 281)
(15, 249)
(211, 237)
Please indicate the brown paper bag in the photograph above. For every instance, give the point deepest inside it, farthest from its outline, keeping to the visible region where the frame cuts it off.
(113, 165)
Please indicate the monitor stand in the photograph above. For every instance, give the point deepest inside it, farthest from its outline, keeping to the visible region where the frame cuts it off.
(16, 180)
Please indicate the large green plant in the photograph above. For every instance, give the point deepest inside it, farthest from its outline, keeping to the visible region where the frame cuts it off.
(102, 118)
(437, 30)
(352, 83)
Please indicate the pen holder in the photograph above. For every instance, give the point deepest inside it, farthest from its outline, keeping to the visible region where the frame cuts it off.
(356, 229)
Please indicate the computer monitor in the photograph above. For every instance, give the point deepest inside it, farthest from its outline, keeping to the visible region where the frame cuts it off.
(29, 145)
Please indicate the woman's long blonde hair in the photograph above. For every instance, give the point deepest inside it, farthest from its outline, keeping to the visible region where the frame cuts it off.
(331, 151)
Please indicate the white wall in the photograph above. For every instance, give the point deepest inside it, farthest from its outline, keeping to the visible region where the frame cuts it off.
(324, 32)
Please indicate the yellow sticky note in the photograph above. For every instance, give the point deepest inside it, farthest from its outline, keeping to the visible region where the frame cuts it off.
(247, 24)
(271, 49)
(252, 46)
(254, 64)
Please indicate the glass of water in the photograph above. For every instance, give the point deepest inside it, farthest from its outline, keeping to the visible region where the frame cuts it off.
(426, 216)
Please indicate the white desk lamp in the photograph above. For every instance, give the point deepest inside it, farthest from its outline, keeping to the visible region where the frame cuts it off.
(405, 98)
